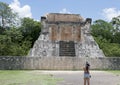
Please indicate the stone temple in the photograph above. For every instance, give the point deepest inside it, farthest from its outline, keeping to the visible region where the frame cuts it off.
(65, 35)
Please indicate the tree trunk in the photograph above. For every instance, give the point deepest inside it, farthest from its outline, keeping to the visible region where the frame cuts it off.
(3, 25)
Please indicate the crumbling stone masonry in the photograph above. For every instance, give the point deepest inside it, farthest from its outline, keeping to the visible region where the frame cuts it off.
(65, 35)
(57, 63)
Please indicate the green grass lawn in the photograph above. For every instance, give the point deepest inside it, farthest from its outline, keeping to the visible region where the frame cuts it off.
(12, 77)
(116, 72)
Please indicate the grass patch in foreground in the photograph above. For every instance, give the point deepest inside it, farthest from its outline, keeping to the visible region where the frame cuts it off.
(12, 77)
(116, 72)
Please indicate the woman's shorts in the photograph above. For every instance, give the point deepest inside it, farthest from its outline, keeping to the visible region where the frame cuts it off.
(87, 75)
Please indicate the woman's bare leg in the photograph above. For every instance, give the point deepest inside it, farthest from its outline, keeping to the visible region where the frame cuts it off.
(85, 81)
(88, 81)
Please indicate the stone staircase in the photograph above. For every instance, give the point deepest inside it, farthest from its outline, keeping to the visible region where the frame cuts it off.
(67, 48)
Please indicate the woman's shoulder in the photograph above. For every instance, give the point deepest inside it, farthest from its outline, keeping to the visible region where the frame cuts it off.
(84, 68)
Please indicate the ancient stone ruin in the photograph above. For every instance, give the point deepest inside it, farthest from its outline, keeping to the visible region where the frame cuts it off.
(65, 35)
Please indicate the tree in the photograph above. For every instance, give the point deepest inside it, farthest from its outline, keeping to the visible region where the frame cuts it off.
(5, 42)
(1, 30)
(116, 34)
(107, 37)
(12, 44)
(14, 40)
(116, 37)
(30, 29)
(15, 34)
(7, 16)
(116, 23)
(103, 29)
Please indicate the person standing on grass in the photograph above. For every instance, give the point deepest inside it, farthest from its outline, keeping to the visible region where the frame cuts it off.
(87, 74)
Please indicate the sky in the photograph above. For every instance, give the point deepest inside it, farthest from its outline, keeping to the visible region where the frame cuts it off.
(95, 9)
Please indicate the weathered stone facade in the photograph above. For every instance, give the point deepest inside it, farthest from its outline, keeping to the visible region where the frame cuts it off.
(57, 63)
(65, 35)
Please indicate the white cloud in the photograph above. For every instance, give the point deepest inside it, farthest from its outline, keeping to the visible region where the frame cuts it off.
(109, 13)
(65, 11)
(24, 11)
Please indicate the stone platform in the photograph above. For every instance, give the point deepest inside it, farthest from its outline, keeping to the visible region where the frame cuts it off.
(59, 30)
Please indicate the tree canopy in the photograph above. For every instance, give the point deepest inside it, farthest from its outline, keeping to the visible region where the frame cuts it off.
(30, 29)
(16, 40)
(7, 16)
(107, 35)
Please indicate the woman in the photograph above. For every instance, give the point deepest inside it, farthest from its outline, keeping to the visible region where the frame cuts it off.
(86, 74)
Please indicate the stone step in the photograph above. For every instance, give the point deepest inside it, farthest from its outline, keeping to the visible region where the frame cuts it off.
(67, 52)
(66, 55)
(67, 48)
(66, 44)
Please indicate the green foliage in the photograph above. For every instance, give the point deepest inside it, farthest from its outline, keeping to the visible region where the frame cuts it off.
(1, 30)
(116, 72)
(30, 29)
(107, 37)
(16, 40)
(103, 29)
(4, 44)
(11, 43)
(109, 49)
(116, 24)
(14, 34)
(8, 17)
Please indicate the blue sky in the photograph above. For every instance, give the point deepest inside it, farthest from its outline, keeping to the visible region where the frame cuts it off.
(95, 9)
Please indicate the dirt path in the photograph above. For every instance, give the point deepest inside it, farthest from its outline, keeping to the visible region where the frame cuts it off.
(76, 77)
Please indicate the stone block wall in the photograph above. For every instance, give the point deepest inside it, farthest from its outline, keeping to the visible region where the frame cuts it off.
(54, 17)
(57, 63)
(65, 32)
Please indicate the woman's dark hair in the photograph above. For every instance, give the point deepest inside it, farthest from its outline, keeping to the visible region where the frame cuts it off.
(87, 66)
